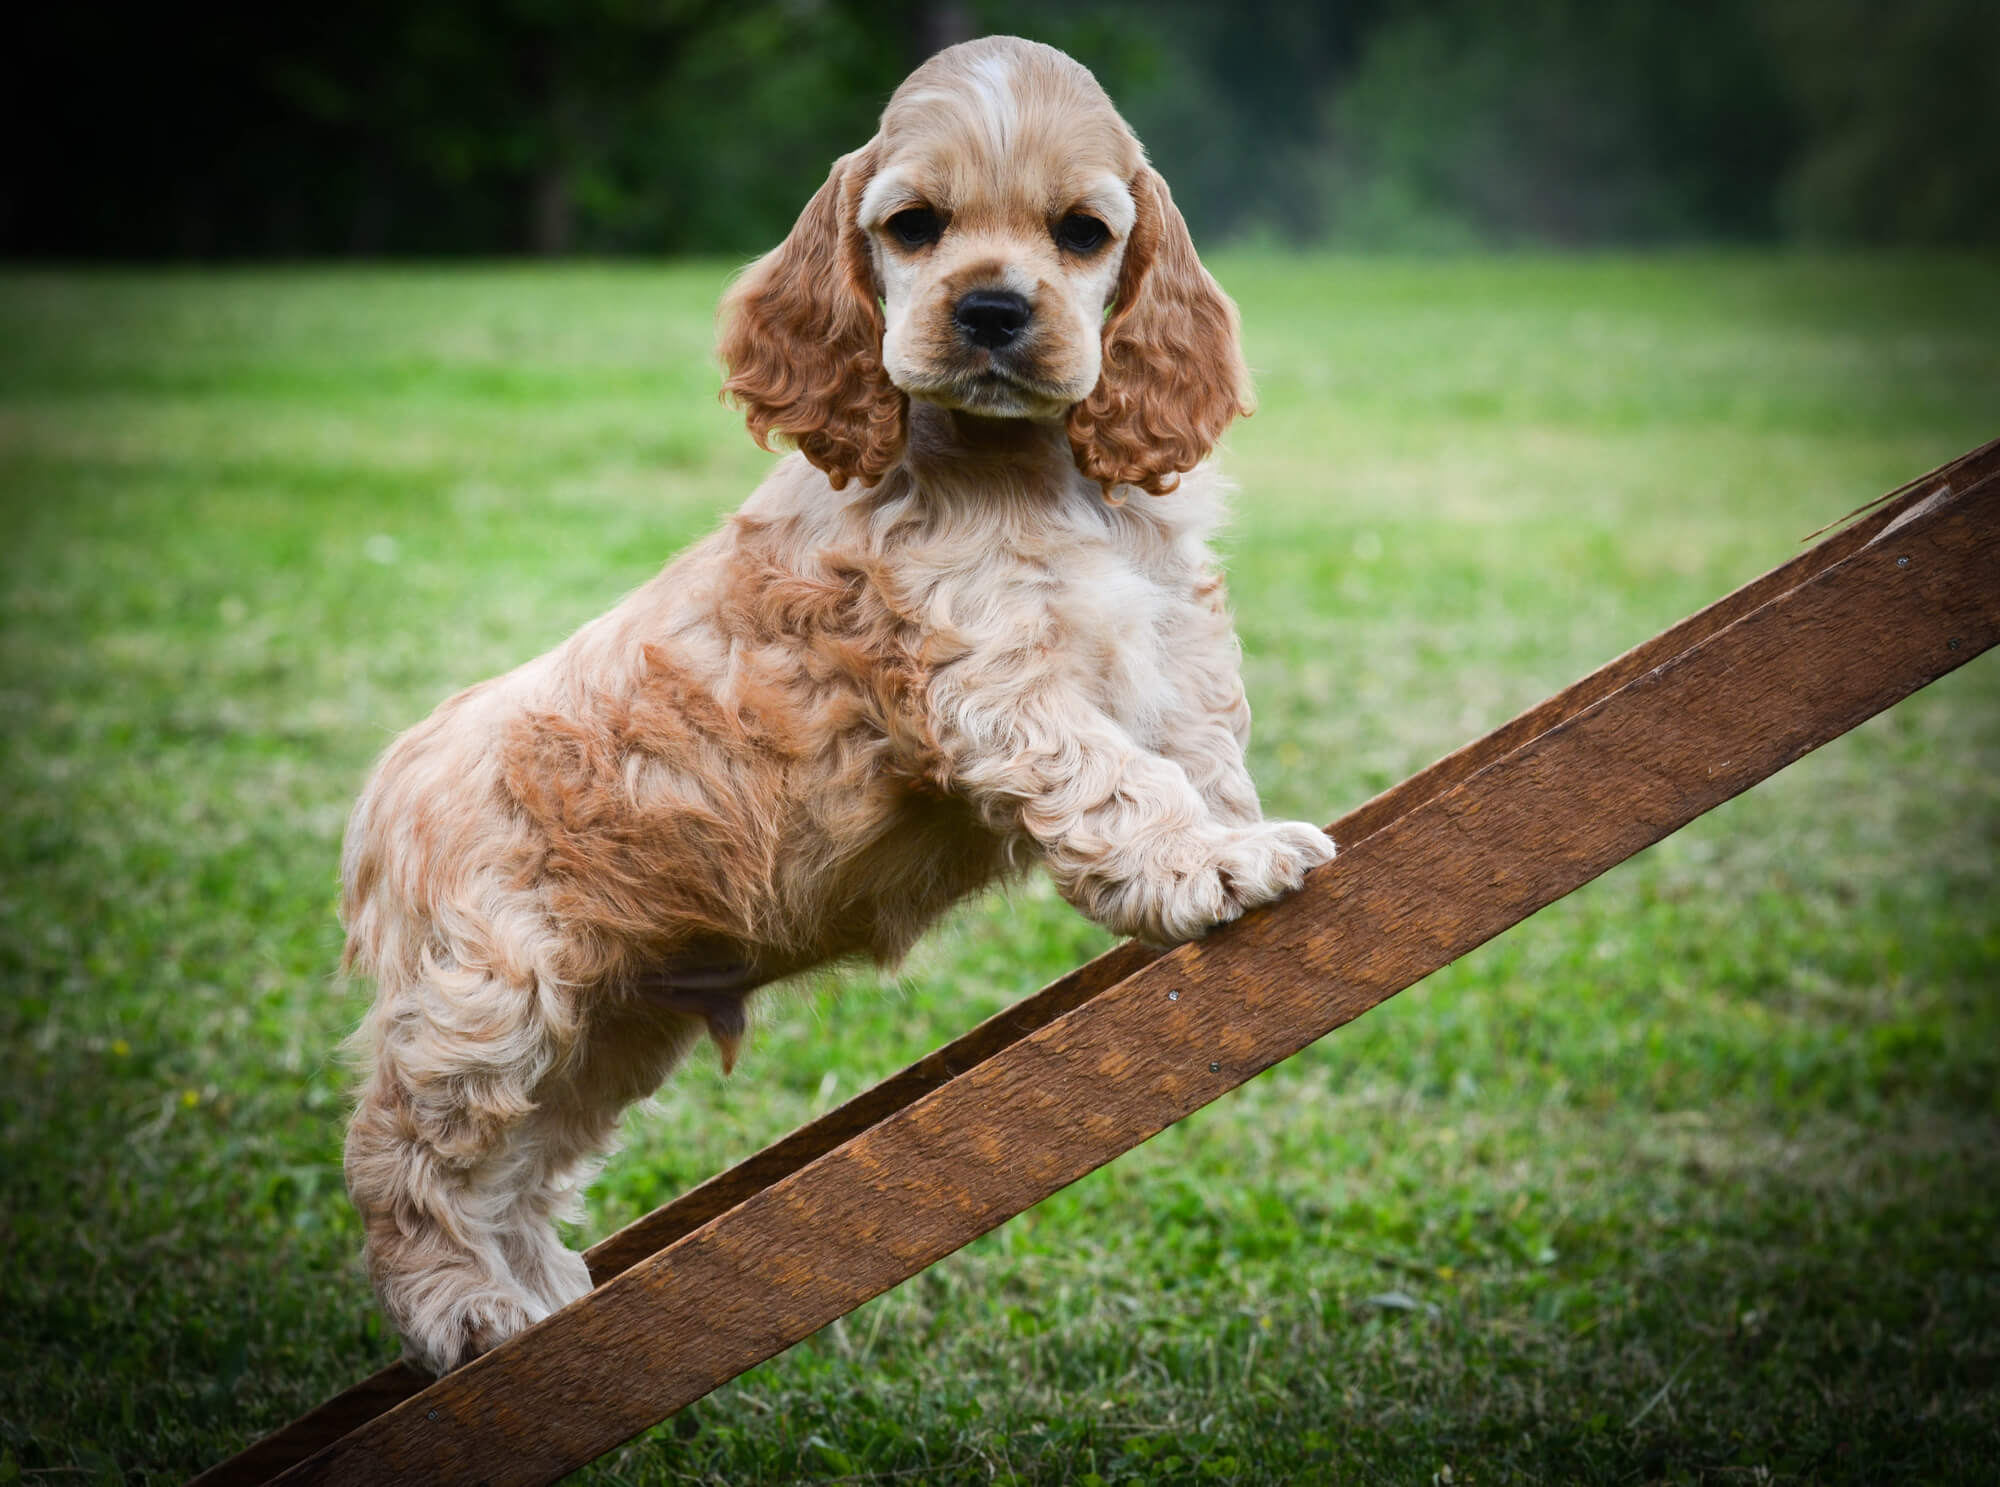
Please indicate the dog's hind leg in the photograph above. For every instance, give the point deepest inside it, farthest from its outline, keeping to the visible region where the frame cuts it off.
(440, 1152)
(624, 1054)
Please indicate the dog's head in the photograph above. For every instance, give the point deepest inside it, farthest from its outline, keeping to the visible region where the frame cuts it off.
(1002, 248)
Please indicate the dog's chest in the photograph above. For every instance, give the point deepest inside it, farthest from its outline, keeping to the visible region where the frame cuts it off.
(1108, 621)
(1092, 606)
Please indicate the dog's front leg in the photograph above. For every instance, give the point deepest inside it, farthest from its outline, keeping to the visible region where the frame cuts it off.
(1205, 725)
(1205, 732)
(1128, 838)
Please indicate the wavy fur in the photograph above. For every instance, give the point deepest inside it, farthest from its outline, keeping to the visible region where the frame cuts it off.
(1173, 375)
(927, 654)
(802, 340)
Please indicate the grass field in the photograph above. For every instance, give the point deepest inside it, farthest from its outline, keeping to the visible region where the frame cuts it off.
(1694, 1177)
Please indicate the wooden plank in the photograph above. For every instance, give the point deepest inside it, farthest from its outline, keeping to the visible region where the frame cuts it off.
(294, 1442)
(1787, 672)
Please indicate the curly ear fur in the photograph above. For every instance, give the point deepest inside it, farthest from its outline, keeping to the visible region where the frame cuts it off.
(1173, 373)
(802, 340)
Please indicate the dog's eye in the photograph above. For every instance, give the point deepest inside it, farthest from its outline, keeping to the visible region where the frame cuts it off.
(1081, 234)
(916, 227)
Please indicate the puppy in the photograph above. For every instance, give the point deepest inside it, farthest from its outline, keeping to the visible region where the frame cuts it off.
(970, 626)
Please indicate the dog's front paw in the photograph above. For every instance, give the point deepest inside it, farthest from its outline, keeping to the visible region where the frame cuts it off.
(1269, 860)
(1248, 866)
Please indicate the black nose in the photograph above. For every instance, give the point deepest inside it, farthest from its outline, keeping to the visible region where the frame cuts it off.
(991, 317)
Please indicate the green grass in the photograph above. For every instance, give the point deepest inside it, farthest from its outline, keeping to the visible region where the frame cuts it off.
(1694, 1177)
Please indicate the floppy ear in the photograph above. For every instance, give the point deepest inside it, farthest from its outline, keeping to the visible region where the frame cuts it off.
(802, 339)
(1173, 373)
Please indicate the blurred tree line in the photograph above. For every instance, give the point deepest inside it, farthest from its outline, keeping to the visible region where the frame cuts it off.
(614, 126)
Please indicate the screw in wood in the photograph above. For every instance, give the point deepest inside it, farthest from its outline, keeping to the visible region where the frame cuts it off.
(1173, 996)
(1215, 1068)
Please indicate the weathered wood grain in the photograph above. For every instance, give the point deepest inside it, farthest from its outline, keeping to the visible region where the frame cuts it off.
(1701, 714)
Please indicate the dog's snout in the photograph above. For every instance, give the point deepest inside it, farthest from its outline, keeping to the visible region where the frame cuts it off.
(991, 318)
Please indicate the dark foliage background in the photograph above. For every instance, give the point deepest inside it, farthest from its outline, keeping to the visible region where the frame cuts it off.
(622, 126)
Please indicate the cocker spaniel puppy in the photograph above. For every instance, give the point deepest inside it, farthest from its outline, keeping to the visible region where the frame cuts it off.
(970, 626)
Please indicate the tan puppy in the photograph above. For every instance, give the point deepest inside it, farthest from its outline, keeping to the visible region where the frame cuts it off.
(972, 626)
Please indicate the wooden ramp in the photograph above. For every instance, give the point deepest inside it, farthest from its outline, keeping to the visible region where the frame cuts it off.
(743, 1266)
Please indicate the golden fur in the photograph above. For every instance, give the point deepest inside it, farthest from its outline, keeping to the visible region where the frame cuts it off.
(945, 641)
